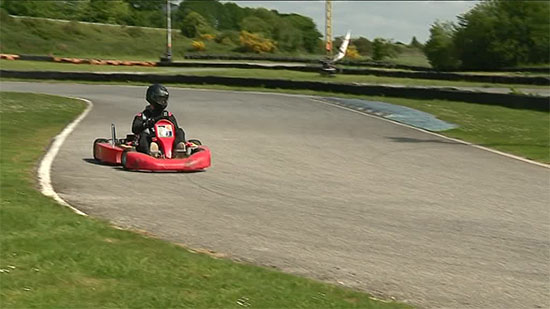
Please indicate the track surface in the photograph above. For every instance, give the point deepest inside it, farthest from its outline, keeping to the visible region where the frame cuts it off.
(326, 193)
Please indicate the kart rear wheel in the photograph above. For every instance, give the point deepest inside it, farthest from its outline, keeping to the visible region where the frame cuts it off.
(99, 140)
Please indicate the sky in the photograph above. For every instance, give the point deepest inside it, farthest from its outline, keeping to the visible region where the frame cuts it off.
(397, 20)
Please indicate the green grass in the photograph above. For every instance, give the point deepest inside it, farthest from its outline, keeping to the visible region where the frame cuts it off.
(250, 73)
(42, 37)
(51, 257)
(411, 57)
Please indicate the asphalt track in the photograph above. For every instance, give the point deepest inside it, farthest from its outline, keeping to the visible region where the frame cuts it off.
(316, 190)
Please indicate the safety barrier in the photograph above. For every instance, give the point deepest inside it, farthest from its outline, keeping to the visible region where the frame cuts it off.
(495, 79)
(77, 60)
(350, 62)
(430, 75)
(9, 56)
(518, 101)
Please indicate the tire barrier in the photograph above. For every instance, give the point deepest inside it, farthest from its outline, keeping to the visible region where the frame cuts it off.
(357, 63)
(517, 101)
(105, 62)
(431, 75)
(77, 60)
(35, 58)
(9, 56)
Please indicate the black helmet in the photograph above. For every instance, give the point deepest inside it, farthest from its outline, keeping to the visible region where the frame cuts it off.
(157, 95)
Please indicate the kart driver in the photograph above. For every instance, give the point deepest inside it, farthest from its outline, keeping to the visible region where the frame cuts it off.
(143, 124)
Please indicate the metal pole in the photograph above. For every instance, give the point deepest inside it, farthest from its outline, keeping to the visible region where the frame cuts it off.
(168, 32)
(328, 28)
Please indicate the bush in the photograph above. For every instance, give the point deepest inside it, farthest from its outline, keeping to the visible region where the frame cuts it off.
(198, 46)
(352, 52)
(251, 42)
(207, 37)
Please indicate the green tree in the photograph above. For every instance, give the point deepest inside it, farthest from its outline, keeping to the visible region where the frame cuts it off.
(415, 44)
(210, 10)
(194, 25)
(364, 46)
(288, 37)
(440, 48)
(68, 9)
(107, 11)
(498, 33)
(382, 48)
(309, 38)
(147, 5)
(255, 24)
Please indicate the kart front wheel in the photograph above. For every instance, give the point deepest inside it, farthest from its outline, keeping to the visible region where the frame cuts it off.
(99, 140)
(123, 158)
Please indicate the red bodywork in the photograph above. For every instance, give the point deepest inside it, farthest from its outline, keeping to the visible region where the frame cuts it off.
(197, 161)
(106, 152)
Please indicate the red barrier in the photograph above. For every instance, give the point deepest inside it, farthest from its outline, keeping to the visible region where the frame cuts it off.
(9, 56)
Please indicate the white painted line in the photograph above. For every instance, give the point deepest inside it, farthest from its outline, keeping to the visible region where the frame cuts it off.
(438, 135)
(45, 166)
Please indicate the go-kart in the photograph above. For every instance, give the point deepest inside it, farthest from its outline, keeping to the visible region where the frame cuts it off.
(123, 152)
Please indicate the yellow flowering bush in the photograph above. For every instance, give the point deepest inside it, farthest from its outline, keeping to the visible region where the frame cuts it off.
(256, 43)
(198, 46)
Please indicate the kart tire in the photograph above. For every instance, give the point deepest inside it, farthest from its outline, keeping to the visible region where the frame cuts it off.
(123, 158)
(99, 140)
(195, 141)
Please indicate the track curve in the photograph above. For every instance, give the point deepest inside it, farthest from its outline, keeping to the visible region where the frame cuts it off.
(319, 191)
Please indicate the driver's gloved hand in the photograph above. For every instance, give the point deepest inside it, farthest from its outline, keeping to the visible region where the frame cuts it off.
(149, 123)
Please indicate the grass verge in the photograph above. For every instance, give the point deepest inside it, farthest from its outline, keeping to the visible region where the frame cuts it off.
(51, 257)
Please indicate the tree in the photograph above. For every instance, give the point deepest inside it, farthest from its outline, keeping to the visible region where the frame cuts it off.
(147, 5)
(310, 38)
(364, 46)
(382, 48)
(107, 11)
(440, 48)
(194, 25)
(288, 37)
(415, 44)
(255, 24)
(210, 10)
(500, 33)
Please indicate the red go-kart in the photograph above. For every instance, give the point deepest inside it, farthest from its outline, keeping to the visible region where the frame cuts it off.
(123, 152)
